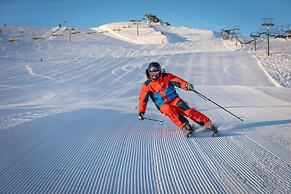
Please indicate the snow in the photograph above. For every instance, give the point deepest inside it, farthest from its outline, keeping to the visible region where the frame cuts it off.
(277, 65)
(155, 34)
(138, 33)
(68, 120)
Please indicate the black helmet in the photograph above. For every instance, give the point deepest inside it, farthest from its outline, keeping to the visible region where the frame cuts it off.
(154, 67)
(154, 70)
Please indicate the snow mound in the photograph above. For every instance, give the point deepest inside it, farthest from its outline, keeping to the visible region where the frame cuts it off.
(142, 33)
(182, 34)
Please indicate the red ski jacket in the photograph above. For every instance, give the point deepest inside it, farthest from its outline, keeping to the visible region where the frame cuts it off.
(160, 91)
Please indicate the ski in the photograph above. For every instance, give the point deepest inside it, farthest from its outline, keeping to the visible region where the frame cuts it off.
(190, 134)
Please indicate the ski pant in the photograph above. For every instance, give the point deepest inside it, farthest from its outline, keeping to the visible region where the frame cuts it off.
(177, 109)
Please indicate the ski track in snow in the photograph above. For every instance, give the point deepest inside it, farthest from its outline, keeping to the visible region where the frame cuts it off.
(68, 123)
(31, 72)
(153, 160)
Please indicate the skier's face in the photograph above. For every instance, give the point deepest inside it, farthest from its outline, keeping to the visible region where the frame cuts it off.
(154, 75)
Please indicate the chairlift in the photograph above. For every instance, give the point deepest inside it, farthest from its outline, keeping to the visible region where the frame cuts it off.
(268, 22)
(255, 35)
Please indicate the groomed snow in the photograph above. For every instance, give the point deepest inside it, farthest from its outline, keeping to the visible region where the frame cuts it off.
(68, 119)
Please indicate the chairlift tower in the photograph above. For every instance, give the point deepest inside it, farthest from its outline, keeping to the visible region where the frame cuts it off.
(136, 22)
(236, 31)
(268, 23)
(288, 31)
(70, 35)
(255, 35)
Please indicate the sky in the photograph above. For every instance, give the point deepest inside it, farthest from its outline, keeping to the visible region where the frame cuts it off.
(206, 14)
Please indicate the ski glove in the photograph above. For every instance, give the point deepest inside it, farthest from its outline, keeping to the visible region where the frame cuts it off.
(140, 116)
(190, 87)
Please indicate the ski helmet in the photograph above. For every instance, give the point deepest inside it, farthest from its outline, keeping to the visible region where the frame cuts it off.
(154, 70)
(154, 66)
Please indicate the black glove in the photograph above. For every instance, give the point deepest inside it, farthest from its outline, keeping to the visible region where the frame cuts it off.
(140, 116)
(190, 87)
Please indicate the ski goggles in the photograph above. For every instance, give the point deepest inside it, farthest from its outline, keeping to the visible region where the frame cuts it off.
(154, 73)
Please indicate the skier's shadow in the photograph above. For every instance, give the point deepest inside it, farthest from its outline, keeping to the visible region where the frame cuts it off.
(262, 124)
(237, 130)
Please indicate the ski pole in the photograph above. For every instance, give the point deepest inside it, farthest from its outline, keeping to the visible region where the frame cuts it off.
(156, 120)
(205, 98)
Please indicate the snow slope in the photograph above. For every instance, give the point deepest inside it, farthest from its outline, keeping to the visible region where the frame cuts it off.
(153, 34)
(68, 119)
(277, 65)
(137, 33)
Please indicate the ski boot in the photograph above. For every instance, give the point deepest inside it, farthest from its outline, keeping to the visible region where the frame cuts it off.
(213, 129)
(188, 128)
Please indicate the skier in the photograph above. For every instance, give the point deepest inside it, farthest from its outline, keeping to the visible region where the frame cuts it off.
(160, 88)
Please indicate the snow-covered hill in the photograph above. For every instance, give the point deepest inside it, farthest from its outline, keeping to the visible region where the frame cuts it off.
(142, 33)
(68, 119)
